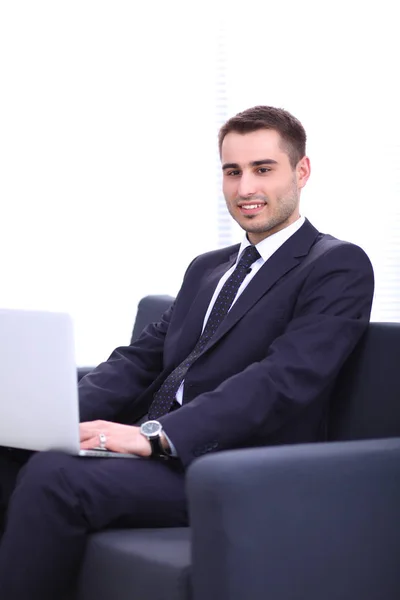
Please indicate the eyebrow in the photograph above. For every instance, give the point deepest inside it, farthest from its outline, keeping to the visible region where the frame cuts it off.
(254, 163)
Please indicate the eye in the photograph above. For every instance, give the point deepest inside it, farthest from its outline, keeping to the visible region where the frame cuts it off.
(263, 170)
(232, 173)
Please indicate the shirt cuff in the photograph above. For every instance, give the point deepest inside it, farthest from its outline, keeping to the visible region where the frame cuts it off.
(172, 449)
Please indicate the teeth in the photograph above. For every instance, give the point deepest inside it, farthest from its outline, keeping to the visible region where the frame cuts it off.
(251, 206)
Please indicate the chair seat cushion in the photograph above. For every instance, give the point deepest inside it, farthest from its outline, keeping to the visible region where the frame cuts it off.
(133, 564)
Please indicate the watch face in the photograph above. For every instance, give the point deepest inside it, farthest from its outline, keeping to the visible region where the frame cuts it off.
(151, 428)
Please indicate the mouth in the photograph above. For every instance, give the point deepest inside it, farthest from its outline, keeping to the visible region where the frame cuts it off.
(251, 208)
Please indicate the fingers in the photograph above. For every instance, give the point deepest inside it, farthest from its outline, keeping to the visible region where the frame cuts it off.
(90, 435)
(94, 442)
(90, 429)
(90, 443)
(95, 425)
(120, 438)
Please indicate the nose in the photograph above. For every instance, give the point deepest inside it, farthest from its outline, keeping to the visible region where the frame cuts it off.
(247, 185)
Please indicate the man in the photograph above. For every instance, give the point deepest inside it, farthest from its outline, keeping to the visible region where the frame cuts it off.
(247, 356)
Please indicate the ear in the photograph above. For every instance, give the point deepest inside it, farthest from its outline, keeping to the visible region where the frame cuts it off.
(303, 171)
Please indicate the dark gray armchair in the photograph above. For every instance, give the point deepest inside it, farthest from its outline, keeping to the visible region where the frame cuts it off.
(304, 522)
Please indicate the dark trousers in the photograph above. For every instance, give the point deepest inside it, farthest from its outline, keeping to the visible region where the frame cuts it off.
(55, 501)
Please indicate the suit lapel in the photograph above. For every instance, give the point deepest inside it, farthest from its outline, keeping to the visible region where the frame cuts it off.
(286, 258)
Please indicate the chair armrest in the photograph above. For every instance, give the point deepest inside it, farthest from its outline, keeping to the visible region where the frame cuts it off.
(82, 371)
(297, 522)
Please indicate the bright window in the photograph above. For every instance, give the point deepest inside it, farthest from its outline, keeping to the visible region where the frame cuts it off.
(334, 66)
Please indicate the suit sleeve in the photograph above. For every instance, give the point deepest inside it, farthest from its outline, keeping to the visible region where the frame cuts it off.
(111, 386)
(129, 371)
(330, 314)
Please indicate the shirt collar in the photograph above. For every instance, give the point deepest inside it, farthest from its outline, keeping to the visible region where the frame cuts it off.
(272, 243)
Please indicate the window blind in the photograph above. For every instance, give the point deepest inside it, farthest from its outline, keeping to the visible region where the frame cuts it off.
(332, 66)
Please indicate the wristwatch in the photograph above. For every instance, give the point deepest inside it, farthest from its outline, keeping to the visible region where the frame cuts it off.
(152, 431)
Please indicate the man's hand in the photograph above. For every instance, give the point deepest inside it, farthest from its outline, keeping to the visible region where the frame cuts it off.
(120, 438)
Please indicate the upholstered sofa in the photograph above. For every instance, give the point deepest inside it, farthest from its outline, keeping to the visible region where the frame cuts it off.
(305, 522)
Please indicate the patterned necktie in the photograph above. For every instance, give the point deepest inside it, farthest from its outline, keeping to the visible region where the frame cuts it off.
(165, 396)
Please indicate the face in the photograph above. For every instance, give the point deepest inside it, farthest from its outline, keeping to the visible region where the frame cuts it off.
(261, 189)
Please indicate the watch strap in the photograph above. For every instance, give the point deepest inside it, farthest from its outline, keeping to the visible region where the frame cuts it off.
(157, 449)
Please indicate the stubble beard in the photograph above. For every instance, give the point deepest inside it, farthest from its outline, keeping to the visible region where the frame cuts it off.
(284, 209)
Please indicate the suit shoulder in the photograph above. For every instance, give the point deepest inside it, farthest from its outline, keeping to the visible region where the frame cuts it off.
(329, 247)
(214, 257)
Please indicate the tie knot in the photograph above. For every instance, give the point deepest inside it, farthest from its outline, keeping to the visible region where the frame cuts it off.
(250, 255)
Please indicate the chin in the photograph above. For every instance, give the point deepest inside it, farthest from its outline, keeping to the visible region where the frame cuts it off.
(264, 231)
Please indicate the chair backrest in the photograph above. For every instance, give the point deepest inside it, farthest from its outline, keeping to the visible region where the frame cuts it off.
(150, 309)
(366, 399)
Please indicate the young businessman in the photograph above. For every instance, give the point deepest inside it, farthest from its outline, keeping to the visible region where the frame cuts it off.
(246, 356)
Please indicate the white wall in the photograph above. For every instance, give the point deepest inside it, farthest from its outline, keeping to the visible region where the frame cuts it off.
(108, 141)
(107, 158)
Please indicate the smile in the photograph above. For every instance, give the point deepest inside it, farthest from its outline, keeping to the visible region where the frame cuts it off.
(251, 206)
(251, 209)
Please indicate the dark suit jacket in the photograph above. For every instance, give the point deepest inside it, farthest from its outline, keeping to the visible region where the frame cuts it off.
(266, 376)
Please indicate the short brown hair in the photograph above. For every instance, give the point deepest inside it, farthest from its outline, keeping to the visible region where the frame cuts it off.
(268, 117)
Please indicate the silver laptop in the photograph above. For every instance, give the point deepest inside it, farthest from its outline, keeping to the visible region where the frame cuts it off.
(38, 383)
